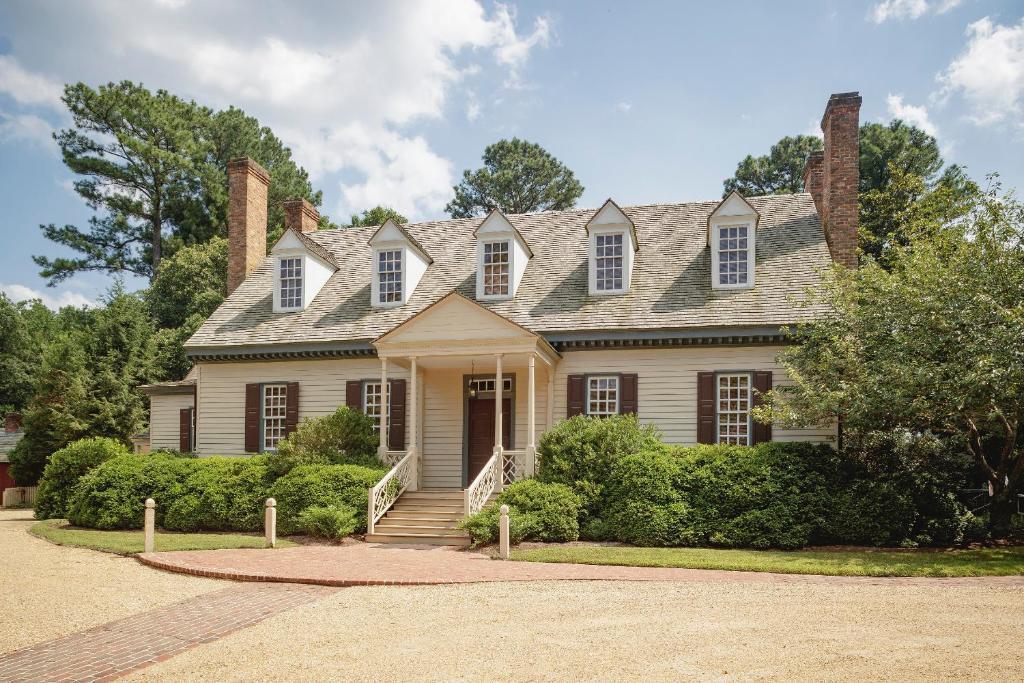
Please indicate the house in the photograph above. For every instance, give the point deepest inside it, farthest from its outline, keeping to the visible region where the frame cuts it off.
(9, 438)
(466, 339)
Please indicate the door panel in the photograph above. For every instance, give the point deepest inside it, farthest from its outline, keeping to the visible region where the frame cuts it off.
(481, 432)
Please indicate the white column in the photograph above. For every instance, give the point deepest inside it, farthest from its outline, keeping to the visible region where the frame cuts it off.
(384, 404)
(551, 398)
(414, 416)
(531, 406)
(498, 385)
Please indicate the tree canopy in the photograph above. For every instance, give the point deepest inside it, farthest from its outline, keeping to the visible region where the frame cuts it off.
(378, 215)
(517, 177)
(781, 171)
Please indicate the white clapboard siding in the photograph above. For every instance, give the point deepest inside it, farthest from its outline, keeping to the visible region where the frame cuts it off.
(164, 419)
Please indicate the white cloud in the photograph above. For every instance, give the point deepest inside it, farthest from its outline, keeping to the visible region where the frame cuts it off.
(473, 109)
(989, 73)
(623, 107)
(909, 113)
(909, 9)
(22, 293)
(27, 128)
(511, 49)
(27, 87)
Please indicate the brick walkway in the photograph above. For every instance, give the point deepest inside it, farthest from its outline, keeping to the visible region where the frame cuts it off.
(369, 564)
(121, 646)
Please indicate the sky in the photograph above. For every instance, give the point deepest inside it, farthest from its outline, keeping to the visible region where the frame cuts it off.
(388, 102)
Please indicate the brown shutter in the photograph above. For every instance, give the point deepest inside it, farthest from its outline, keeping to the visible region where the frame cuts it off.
(354, 395)
(574, 396)
(705, 407)
(627, 397)
(762, 385)
(185, 430)
(252, 418)
(291, 408)
(396, 397)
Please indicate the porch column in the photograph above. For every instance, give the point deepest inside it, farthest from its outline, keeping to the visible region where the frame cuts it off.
(414, 414)
(531, 419)
(498, 386)
(551, 398)
(385, 397)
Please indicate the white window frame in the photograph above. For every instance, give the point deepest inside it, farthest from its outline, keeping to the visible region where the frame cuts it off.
(375, 416)
(482, 266)
(627, 259)
(280, 281)
(716, 276)
(487, 384)
(377, 272)
(618, 395)
(739, 440)
(281, 420)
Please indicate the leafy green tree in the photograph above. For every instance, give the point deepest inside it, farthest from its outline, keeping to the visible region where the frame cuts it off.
(517, 177)
(896, 147)
(781, 171)
(19, 357)
(931, 345)
(378, 215)
(192, 282)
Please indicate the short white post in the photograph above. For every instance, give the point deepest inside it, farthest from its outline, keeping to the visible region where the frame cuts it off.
(270, 523)
(503, 533)
(150, 526)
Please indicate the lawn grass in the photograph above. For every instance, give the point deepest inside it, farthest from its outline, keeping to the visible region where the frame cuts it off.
(129, 542)
(1007, 561)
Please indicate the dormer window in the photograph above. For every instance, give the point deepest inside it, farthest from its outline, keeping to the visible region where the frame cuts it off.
(612, 244)
(496, 268)
(389, 274)
(731, 236)
(608, 262)
(291, 282)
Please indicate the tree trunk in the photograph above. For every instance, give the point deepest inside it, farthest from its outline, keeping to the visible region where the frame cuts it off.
(157, 233)
(1001, 509)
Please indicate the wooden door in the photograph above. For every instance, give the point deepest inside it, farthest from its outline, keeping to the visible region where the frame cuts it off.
(481, 432)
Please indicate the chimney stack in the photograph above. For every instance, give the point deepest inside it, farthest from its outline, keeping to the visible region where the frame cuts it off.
(300, 215)
(835, 180)
(248, 183)
(12, 422)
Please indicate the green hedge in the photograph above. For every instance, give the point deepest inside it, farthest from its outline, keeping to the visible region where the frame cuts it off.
(537, 512)
(345, 437)
(309, 486)
(113, 495)
(64, 470)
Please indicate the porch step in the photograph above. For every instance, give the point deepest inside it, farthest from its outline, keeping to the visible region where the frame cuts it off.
(383, 528)
(419, 539)
(432, 495)
(416, 506)
(423, 517)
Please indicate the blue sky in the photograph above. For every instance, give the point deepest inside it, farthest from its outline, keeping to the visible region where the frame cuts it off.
(388, 102)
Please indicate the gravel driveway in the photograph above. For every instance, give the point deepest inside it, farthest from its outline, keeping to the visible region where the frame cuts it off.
(47, 591)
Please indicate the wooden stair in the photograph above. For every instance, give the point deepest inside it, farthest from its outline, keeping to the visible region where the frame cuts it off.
(423, 518)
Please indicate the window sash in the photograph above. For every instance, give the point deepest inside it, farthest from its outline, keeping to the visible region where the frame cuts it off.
(608, 262)
(496, 268)
(290, 273)
(603, 395)
(733, 254)
(733, 398)
(371, 404)
(487, 384)
(273, 409)
(389, 276)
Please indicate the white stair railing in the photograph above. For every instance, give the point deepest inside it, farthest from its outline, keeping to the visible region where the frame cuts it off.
(489, 479)
(386, 492)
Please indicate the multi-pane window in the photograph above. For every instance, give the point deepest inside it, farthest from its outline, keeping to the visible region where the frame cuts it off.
(496, 268)
(734, 409)
(372, 403)
(603, 395)
(482, 385)
(733, 255)
(275, 399)
(608, 262)
(389, 275)
(291, 283)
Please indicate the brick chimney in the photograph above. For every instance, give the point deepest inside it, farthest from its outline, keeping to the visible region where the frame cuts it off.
(300, 215)
(835, 179)
(248, 183)
(12, 422)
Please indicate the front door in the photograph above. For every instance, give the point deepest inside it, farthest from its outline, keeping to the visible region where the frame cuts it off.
(481, 432)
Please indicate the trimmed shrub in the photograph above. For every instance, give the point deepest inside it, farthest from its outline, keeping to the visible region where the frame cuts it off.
(309, 486)
(645, 506)
(345, 437)
(332, 522)
(537, 512)
(66, 467)
(580, 453)
(221, 494)
(113, 495)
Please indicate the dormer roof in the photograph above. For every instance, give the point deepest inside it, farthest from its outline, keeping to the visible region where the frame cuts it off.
(498, 223)
(393, 232)
(611, 215)
(294, 238)
(733, 206)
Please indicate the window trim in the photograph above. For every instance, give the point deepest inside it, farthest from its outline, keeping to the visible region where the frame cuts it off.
(279, 282)
(263, 416)
(362, 400)
(749, 374)
(627, 259)
(402, 274)
(480, 287)
(617, 376)
(732, 222)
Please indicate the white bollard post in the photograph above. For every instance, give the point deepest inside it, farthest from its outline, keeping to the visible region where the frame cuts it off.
(270, 523)
(150, 525)
(503, 533)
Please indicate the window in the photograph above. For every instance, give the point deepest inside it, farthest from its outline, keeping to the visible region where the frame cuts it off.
(275, 398)
(389, 274)
(733, 255)
(496, 268)
(734, 408)
(372, 403)
(291, 282)
(481, 385)
(608, 262)
(603, 396)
